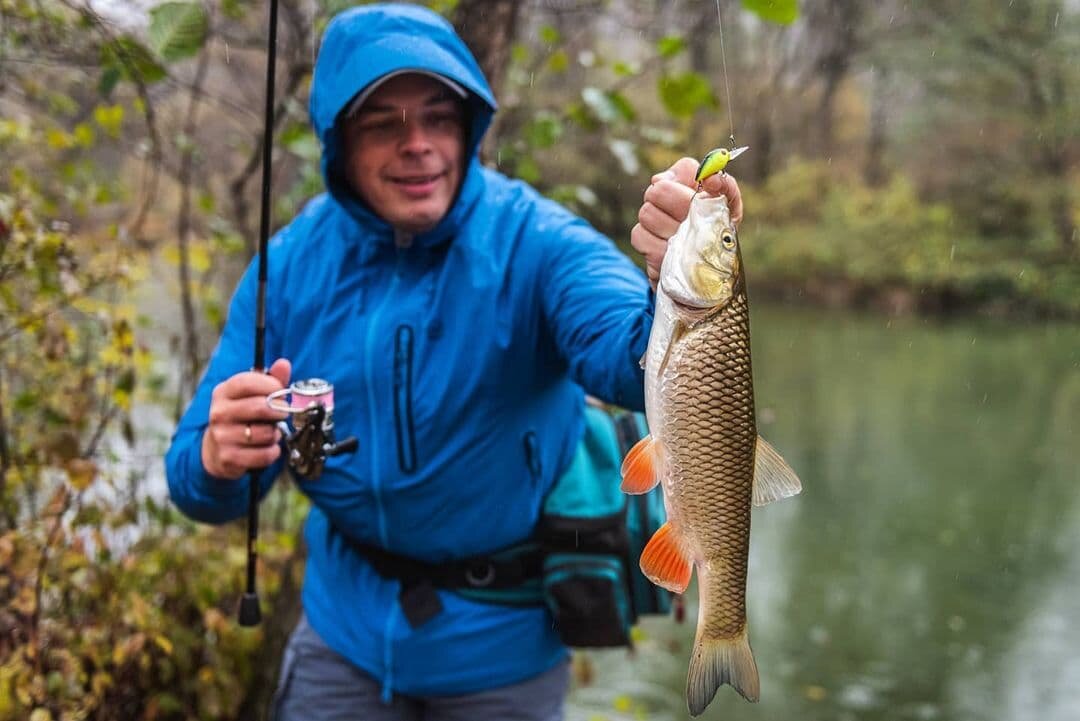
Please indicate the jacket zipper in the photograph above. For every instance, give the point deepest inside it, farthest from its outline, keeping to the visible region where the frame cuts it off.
(376, 481)
(403, 419)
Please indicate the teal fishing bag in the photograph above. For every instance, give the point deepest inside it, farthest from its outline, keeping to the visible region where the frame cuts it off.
(593, 534)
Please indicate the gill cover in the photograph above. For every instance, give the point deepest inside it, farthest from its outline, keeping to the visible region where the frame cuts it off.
(701, 269)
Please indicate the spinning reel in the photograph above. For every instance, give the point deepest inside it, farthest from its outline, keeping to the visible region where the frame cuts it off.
(310, 440)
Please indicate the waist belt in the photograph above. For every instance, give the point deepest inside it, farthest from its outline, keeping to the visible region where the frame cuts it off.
(502, 570)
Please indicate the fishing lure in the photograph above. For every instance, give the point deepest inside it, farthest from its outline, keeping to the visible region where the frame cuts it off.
(715, 161)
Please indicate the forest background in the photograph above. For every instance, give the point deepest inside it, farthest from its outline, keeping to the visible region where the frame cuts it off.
(907, 157)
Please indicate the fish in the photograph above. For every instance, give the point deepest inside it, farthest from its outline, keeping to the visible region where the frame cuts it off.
(703, 445)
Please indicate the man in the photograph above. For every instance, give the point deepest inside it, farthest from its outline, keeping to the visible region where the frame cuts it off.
(459, 316)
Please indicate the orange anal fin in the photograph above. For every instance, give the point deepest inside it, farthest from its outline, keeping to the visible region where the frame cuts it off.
(664, 562)
(639, 471)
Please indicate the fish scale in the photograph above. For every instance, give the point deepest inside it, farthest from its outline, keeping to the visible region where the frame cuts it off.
(710, 429)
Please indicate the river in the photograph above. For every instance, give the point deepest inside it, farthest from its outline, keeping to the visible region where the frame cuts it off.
(931, 568)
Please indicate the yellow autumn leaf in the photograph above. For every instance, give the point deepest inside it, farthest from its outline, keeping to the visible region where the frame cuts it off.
(199, 258)
(622, 703)
(164, 644)
(100, 683)
(815, 693)
(41, 714)
(84, 135)
(81, 473)
(57, 139)
(110, 118)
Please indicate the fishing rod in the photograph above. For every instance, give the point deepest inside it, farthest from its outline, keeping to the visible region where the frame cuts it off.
(250, 614)
(310, 440)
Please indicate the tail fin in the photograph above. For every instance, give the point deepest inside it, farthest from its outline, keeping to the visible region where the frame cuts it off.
(719, 661)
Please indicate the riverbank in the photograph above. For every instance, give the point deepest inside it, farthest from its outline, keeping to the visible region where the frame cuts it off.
(813, 236)
(900, 300)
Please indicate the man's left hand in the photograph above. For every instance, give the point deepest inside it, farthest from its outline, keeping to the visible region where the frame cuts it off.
(666, 205)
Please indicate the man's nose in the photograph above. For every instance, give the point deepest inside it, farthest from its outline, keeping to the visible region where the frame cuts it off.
(415, 137)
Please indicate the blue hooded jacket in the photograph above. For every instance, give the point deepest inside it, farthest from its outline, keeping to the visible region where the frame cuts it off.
(459, 360)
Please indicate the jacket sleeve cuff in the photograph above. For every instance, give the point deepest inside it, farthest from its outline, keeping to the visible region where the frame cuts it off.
(203, 496)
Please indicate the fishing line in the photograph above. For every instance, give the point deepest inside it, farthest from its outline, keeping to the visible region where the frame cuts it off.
(727, 87)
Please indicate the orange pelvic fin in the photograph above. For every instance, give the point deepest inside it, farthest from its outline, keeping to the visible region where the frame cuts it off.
(664, 561)
(639, 468)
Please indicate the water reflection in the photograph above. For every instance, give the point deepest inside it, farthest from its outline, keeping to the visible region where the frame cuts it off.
(932, 568)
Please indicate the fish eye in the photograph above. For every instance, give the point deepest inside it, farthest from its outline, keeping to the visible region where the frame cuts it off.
(728, 240)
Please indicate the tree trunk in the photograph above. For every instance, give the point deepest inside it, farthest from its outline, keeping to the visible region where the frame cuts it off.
(488, 27)
(837, 24)
(874, 168)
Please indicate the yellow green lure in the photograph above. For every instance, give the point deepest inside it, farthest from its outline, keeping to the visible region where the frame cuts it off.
(715, 161)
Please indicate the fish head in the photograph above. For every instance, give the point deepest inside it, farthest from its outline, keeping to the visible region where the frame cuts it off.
(702, 268)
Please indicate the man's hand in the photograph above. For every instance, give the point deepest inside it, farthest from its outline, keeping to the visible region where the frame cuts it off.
(667, 203)
(242, 434)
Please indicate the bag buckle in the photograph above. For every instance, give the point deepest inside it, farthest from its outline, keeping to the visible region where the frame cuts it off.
(480, 575)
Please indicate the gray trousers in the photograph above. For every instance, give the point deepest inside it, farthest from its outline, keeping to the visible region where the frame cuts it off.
(316, 684)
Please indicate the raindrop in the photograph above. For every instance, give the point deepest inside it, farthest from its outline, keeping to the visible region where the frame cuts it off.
(1056, 16)
(226, 53)
(952, 251)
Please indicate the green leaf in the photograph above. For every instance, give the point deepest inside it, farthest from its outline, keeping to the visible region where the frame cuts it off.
(670, 45)
(301, 141)
(558, 62)
(178, 29)
(544, 131)
(550, 35)
(580, 114)
(778, 11)
(684, 93)
(519, 53)
(527, 170)
(604, 106)
(623, 105)
(110, 76)
(132, 60)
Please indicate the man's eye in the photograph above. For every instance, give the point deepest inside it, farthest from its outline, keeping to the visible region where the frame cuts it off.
(382, 125)
(444, 119)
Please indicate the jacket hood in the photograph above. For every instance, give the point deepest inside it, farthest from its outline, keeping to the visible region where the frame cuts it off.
(363, 44)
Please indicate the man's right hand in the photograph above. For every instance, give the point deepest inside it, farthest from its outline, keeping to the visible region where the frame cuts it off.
(242, 433)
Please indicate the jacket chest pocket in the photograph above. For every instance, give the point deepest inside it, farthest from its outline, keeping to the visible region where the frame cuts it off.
(403, 401)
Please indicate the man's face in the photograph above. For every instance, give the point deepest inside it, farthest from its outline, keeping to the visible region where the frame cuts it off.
(405, 151)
